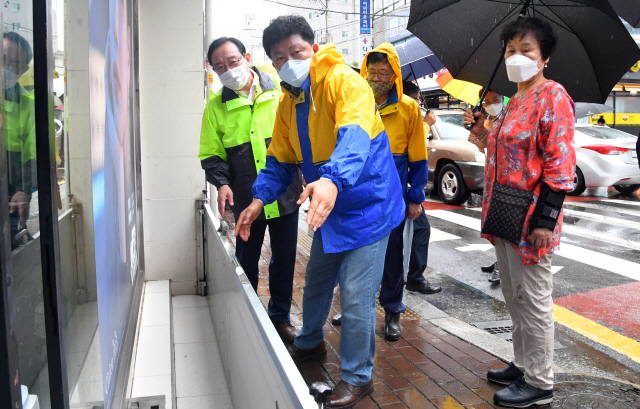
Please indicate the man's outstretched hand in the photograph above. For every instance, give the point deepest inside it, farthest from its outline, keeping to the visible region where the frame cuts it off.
(323, 194)
(243, 225)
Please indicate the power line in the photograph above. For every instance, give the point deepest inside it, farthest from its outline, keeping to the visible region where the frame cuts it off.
(314, 9)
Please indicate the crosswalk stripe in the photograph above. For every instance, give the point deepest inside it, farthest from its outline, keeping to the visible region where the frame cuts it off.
(604, 207)
(620, 201)
(593, 258)
(595, 235)
(439, 235)
(611, 221)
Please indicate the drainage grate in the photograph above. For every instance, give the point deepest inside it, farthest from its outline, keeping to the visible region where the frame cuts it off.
(409, 314)
(504, 330)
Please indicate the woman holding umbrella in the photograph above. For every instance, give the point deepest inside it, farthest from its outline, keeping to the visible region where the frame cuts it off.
(530, 149)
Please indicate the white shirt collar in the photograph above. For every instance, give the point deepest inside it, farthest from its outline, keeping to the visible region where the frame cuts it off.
(253, 89)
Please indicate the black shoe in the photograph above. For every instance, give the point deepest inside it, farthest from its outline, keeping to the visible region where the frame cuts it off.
(392, 331)
(423, 287)
(337, 319)
(506, 375)
(489, 268)
(494, 277)
(522, 395)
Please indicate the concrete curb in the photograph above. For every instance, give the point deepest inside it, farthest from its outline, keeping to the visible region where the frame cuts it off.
(489, 343)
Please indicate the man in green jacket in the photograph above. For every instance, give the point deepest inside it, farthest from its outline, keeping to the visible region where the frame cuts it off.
(236, 131)
(19, 132)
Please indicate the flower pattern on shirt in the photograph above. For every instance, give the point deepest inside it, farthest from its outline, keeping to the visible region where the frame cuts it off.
(535, 138)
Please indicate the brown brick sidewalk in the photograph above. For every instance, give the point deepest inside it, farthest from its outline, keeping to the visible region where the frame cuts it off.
(426, 368)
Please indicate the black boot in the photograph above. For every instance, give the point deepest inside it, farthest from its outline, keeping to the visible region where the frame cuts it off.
(489, 268)
(337, 319)
(506, 375)
(392, 331)
(522, 395)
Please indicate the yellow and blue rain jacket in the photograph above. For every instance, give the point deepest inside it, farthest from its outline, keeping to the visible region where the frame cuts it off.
(330, 130)
(402, 120)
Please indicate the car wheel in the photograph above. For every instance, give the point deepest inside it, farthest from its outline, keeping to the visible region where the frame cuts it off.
(626, 188)
(579, 185)
(451, 186)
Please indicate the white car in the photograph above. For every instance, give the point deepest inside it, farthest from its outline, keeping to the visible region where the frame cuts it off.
(605, 157)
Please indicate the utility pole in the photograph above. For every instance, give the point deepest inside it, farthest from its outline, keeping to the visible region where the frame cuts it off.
(326, 20)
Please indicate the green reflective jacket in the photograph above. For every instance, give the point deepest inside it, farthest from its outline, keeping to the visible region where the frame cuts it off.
(234, 138)
(20, 137)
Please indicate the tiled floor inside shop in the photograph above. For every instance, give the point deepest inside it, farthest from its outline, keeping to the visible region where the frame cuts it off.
(426, 368)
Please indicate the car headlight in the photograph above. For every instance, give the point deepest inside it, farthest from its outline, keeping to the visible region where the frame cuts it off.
(480, 157)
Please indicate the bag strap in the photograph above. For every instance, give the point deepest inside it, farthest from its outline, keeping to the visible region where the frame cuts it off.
(504, 117)
(495, 175)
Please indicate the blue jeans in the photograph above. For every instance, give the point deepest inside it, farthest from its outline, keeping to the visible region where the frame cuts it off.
(359, 273)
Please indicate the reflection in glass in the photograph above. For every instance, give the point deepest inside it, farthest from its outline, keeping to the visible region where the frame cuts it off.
(17, 118)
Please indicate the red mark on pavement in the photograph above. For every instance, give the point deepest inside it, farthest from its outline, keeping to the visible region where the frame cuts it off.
(582, 199)
(617, 308)
(439, 206)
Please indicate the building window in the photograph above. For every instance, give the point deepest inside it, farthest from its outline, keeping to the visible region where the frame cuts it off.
(16, 26)
(346, 17)
(345, 51)
(16, 6)
(311, 16)
(345, 34)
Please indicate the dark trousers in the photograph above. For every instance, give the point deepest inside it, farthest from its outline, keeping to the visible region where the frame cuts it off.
(392, 278)
(283, 232)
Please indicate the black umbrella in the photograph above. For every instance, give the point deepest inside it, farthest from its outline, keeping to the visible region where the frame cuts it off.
(594, 48)
(417, 60)
(629, 10)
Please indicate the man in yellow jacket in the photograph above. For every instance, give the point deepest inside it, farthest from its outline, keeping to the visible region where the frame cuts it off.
(402, 120)
(325, 125)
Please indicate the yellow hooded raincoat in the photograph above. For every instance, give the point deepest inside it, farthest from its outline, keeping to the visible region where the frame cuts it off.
(402, 120)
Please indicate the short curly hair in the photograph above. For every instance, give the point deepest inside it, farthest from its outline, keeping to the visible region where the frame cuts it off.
(539, 29)
(283, 27)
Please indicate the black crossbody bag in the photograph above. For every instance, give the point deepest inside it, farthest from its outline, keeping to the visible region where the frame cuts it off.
(508, 207)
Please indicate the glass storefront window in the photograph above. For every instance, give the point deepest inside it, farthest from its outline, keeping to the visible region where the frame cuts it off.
(17, 113)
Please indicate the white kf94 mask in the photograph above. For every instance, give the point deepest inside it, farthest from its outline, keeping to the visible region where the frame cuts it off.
(494, 109)
(521, 68)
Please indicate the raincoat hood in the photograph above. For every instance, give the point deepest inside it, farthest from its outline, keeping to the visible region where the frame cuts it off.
(322, 61)
(394, 61)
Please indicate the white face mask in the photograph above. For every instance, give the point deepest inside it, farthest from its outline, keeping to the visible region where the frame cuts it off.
(235, 78)
(494, 109)
(295, 72)
(10, 79)
(521, 68)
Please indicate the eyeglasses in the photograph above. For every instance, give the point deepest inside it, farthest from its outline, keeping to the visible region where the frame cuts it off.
(381, 77)
(222, 68)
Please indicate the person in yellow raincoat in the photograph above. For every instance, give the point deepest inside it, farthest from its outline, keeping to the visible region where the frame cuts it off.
(402, 120)
(19, 131)
(326, 125)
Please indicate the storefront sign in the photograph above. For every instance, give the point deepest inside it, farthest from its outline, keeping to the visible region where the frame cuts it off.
(365, 20)
(397, 26)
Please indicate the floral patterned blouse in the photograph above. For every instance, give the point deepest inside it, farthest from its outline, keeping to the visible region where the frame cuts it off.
(536, 137)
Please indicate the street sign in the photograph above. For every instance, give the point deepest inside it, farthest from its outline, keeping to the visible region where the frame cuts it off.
(365, 21)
